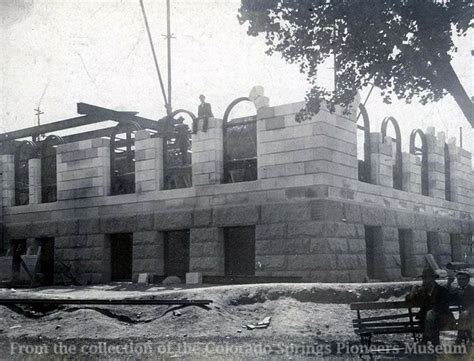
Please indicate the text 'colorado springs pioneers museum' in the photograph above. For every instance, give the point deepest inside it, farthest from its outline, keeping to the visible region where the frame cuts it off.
(257, 197)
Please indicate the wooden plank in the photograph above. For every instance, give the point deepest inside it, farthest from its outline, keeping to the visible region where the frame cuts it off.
(119, 116)
(386, 331)
(49, 127)
(380, 318)
(90, 114)
(379, 305)
(93, 134)
(384, 324)
(70, 301)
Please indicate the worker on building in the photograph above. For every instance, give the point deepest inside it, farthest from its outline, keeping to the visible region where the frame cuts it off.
(182, 140)
(204, 113)
(434, 301)
(464, 297)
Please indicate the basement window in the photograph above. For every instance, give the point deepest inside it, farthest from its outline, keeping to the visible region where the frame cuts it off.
(121, 248)
(176, 252)
(239, 245)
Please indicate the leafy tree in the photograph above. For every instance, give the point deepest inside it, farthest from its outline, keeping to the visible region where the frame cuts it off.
(404, 47)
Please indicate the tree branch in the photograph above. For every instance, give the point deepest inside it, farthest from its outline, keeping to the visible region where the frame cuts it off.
(452, 84)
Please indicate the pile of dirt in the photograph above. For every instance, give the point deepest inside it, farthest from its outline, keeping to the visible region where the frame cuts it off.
(300, 314)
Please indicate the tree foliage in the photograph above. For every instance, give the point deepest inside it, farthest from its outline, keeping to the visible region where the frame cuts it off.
(404, 47)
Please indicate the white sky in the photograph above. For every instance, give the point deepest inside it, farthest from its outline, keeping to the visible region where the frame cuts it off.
(61, 52)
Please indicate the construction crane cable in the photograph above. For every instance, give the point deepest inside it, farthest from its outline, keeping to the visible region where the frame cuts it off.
(154, 56)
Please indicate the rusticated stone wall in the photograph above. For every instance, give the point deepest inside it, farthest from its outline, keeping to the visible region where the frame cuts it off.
(309, 210)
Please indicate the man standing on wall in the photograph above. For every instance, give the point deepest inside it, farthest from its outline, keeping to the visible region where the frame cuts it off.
(204, 112)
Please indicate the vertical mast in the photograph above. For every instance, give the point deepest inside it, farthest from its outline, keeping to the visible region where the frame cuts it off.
(155, 58)
(168, 38)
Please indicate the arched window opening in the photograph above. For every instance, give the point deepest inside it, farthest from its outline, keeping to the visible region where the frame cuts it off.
(49, 181)
(122, 158)
(419, 147)
(397, 140)
(25, 151)
(447, 173)
(240, 146)
(177, 150)
(363, 144)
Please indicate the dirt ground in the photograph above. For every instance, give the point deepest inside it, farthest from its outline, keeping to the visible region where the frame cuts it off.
(307, 321)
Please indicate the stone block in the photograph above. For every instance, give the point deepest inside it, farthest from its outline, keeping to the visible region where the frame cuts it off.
(118, 224)
(144, 222)
(337, 245)
(17, 231)
(209, 266)
(100, 142)
(312, 262)
(327, 210)
(277, 213)
(319, 191)
(306, 229)
(173, 220)
(236, 216)
(352, 212)
(271, 262)
(273, 247)
(79, 154)
(271, 231)
(88, 226)
(43, 229)
(204, 235)
(356, 246)
(265, 112)
(68, 227)
(144, 278)
(205, 249)
(78, 242)
(152, 266)
(373, 216)
(193, 278)
(274, 123)
(351, 262)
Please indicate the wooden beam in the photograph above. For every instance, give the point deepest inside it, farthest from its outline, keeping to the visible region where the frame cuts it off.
(49, 128)
(97, 301)
(119, 116)
(90, 114)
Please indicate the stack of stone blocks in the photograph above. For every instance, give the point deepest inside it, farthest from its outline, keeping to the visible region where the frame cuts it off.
(83, 169)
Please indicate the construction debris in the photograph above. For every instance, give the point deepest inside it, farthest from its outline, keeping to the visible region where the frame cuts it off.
(261, 324)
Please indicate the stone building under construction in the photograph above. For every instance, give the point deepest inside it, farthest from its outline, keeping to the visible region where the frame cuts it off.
(260, 197)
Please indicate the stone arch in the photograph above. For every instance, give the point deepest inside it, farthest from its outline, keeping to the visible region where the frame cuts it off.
(240, 162)
(397, 168)
(365, 165)
(423, 152)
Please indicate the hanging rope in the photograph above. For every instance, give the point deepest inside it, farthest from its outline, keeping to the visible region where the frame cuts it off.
(155, 58)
